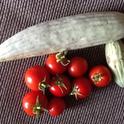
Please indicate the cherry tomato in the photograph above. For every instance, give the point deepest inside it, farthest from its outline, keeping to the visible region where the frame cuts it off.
(60, 86)
(56, 106)
(36, 77)
(82, 88)
(100, 76)
(34, 103)
(56, 65)
(77, 67)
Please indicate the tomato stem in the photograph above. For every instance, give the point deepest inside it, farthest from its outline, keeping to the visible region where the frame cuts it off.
(43, 85)
(60, 83)
(60, 57)
(37, 108)
(97, 77)
(75, 92)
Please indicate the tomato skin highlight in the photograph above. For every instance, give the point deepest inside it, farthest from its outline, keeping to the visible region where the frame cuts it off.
(63, 87)
(53, 66)
(34, 77)
(56, 106)
(100, 76)
(30, 99)
(82, 88)
(77, 67)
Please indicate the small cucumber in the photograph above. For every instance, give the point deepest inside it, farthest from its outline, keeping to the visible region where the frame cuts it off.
(114, 52)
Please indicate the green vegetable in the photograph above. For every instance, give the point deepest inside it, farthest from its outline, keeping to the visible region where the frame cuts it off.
(114, 52)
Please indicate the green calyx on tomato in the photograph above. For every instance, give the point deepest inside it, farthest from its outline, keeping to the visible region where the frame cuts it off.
(97, 77)
(61, 58)
(37, 109)
(75, 92)
(60, 84)
(43, 85)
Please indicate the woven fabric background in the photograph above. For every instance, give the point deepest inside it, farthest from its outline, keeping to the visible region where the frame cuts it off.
(104, 106)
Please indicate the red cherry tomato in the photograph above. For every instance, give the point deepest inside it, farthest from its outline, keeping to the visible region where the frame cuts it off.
(77, 67)
(56, 66)
(82, 88)
(34, 103)
(56, 106)
(100, 76)
(35, 77)
(60, 86)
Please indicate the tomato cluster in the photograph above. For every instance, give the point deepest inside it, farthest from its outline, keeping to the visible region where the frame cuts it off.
(61, 77)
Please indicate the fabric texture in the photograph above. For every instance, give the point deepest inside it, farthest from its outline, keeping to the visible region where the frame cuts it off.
(104, 106)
